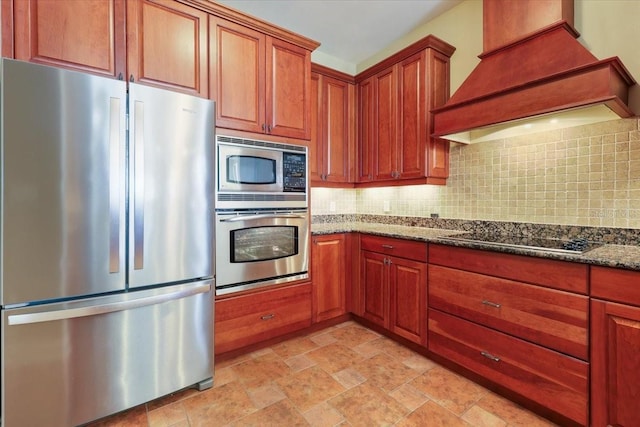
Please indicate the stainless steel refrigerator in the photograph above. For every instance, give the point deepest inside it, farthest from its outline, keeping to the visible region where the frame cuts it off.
(106, 244)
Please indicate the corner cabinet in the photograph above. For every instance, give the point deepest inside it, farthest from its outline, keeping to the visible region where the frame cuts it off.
(261, 84)
(615, 347)
(332, 147)
(393, 285)
(395, 99)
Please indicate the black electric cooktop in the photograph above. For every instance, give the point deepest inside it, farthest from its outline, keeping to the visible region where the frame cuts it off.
(573, 246)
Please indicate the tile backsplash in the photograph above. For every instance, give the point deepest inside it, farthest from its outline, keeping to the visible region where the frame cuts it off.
(586, 175)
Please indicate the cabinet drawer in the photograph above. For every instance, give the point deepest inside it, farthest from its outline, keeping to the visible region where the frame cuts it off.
(544, 316)
(566, 276)
(615, 285)
(551, 379)
(409, 249)
(251, 318)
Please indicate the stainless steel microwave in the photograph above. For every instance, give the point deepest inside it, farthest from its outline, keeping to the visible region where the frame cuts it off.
(260, 174)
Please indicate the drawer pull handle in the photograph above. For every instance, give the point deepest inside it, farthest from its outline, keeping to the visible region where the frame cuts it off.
(387, 246)
(268, 316)
(491, 304)
(490, 356)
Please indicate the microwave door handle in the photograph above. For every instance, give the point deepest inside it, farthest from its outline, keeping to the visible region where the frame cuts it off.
(261, 216)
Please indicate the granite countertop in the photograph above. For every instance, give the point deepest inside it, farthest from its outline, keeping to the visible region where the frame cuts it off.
(608, 255)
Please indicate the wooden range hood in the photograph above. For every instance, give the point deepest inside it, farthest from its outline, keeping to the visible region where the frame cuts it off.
(532, 70)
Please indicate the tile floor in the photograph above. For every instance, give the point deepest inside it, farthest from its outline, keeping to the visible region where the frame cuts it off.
(345, 375)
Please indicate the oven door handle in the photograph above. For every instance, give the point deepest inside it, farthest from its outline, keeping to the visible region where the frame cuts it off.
(261, 216)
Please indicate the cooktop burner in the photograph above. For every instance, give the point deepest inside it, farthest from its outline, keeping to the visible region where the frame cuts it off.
(573, 246)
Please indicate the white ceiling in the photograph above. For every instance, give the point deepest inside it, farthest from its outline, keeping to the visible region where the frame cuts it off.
(349, 30)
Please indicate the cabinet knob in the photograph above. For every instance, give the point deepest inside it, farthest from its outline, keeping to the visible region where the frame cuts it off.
(131, 78)
(268, 316)
(387, 246)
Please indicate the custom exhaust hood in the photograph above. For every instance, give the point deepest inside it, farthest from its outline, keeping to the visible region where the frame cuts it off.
(533, 76)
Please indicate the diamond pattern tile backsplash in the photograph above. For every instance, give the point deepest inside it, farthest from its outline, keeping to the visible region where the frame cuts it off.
(586, 175)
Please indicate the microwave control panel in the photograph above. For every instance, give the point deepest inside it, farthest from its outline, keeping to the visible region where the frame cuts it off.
(294, 171)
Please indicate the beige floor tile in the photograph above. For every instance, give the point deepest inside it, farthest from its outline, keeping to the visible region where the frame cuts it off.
(222, 376)
(323, 415)
(448, 389)
(513, 414)
(299, 363)
(479, 417)
(432, 415)
(366, 405)
(419, 363)
(334, 357)
(349, 378)
(354, 335)
(409, 396)
(279, 414)
(309, 388)
(294, 347)
(323, 339)
(222, 404)
(134, 417)
(368, 349)
(266, 395)
(168, 415)
(260, 370)
(393, 349)
(384, 372)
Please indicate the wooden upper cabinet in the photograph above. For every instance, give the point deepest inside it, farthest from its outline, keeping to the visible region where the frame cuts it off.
(167, 44)
(237, 69)
(261, 84)
(333, 130)
(82, 35)
(395, 99)
(288, 87)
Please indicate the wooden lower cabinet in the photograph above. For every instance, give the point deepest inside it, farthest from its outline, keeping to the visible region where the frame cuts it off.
(329, 262)
(615, 347)
(258, 316)
(549, 378)
(393, 286)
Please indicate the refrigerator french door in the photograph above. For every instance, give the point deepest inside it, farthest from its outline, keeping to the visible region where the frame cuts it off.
(106, 244)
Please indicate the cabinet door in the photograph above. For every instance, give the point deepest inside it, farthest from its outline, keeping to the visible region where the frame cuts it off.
(237, 66)
(366, 141)
(83, 35)
(328, 272)
(385, 148)
(412, 129)
(374, 287)
(167, 45)
(316, 146)
(337, 123)
(615, 365)
(288, 89)
(408, 284)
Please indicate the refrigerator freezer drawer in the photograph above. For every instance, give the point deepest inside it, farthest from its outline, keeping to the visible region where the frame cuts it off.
(69, 363)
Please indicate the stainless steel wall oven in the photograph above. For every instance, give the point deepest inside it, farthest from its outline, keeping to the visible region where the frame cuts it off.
(262, 217)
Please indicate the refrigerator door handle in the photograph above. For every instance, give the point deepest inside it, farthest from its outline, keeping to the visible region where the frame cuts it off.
(71, 313)
(114, 185)
(138, 193)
